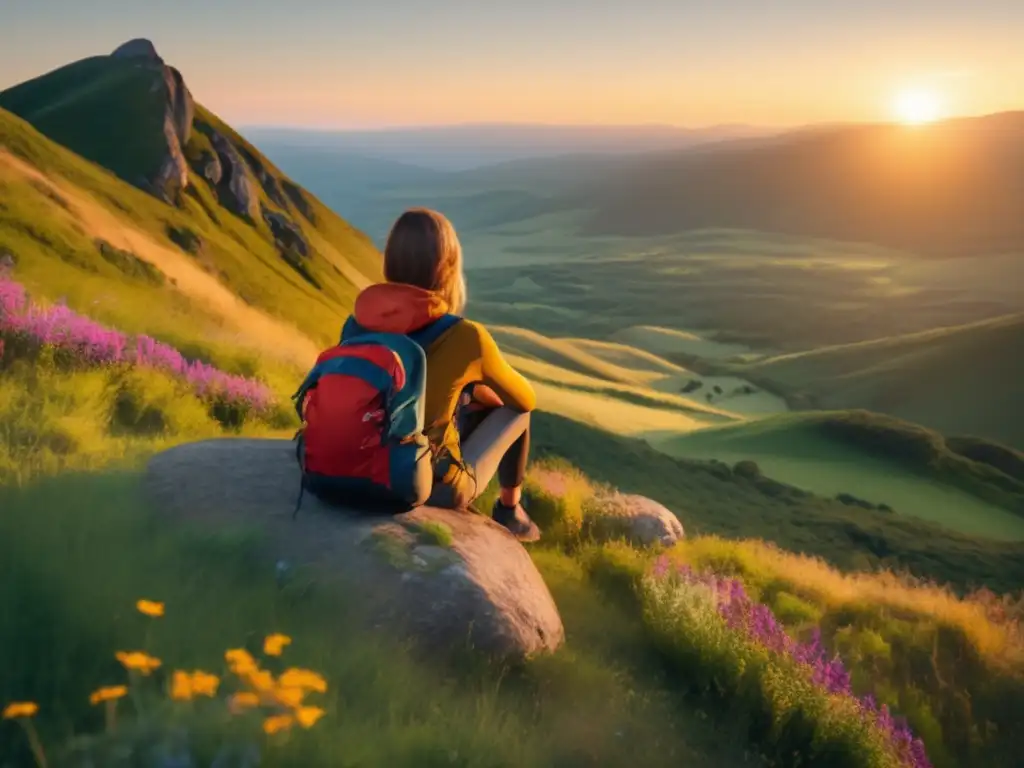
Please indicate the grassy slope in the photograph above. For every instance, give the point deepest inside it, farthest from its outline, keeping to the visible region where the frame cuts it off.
(709, 498)
(816, 453)
(957, 380)
(66, 105)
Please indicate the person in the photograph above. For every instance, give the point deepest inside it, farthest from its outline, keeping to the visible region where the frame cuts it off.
(477, 406)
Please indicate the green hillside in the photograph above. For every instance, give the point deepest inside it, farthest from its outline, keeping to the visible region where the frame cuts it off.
(247, 231)
(958, 380)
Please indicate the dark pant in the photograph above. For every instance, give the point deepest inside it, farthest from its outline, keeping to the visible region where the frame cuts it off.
(492, 441)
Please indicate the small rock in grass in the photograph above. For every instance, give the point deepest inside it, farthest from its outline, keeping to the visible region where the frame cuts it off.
(642, 521)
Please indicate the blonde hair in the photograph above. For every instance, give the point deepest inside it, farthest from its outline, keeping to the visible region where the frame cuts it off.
(423, 250)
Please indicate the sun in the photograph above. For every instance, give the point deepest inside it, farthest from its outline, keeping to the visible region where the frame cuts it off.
(917, 106)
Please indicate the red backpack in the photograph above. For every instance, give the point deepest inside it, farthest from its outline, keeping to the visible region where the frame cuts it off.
(363, 408)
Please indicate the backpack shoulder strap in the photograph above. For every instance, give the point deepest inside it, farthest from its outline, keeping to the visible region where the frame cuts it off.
(351, 329)
(430, 333)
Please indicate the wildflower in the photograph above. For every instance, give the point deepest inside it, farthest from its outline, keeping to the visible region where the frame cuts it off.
(108, 693)
(240, 661)
(242, 701)
(275, 643)
(138, 661)
(277, 723)
(150, 608)
(260, 679)
(18, 709)
(204, 684)
(181, 686)
(22, 711)
(307, 716)
(290, 697)
(302, 678)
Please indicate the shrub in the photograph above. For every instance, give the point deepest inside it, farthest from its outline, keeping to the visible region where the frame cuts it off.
(147, 402)
(953, 666)
(747, 469)
(556, 494)
(26, 328)
(791, 696)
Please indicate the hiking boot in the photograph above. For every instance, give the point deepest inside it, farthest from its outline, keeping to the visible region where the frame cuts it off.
(516, 521)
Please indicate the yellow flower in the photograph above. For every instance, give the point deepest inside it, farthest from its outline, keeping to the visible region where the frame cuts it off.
(290, 697)
(204, 684)
(139, 661)
(244, 700)
(187, 685)
(275, 643)
(108, 693)
(240, 661)
(307, 716)
(276, 723)
(20, 709)
(181, 686)
(260, 679)
(150, 608)
(302, 678)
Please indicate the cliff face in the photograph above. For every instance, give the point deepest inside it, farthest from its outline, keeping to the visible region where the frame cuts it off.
(176, 112)
(132, 113)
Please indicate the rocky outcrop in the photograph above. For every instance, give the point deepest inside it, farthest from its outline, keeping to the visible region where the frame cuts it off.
(139, 48)
(287, 235)
(237, 189)
(444, 578)
(642, 521)
(299, 200)
(171, 176)
(208, 165)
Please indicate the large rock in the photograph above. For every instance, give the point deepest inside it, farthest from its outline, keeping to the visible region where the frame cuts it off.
(237, 189)
(287, 234)
(442, 576)
(171, 176)
(642, 521)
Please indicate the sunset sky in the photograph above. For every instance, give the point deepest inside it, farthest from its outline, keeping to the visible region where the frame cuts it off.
(328, 63)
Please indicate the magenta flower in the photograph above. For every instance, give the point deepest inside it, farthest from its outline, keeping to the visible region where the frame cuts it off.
(759, 624)
(95, 344)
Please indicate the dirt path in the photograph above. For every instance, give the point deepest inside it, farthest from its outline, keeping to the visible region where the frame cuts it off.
(254, 329)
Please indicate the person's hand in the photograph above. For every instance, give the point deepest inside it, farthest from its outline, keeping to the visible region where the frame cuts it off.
(483, 398)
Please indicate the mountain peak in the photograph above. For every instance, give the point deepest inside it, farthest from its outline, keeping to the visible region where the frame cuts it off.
(137, 48)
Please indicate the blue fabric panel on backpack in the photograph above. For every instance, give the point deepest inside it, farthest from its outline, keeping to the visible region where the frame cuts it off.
(406, 409)
(351, 329)
(428, 334)
(404, 479)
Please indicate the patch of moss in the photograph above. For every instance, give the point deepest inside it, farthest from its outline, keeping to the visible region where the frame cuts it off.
(431, 532)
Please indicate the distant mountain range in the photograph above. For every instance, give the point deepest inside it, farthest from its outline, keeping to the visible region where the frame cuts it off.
(951, 188)
(948, 189)
(463, 147)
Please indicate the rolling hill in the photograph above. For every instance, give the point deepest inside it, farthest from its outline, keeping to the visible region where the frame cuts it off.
(962, 379)
(950, 188)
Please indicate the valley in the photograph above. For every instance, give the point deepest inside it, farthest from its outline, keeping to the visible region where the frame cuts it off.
(824, 392)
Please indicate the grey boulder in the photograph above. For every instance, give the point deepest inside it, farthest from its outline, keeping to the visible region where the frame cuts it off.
(642, 521)
(439, 576)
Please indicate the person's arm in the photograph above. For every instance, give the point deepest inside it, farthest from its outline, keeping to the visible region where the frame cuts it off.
(509, 385)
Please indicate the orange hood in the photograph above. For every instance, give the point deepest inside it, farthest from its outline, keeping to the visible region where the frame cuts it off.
(397, 308)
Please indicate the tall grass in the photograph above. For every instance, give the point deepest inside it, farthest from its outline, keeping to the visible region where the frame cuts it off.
(953, 666)
(76, 552)
(26, 327)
